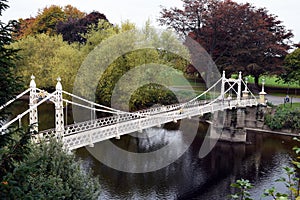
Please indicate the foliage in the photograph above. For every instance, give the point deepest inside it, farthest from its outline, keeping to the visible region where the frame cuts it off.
(239, 37)
(64, 59)
(61, 60)
(140, 65)
(243, 186)
(14, 147)
(47, 20)
(73, 29)
(284, 118)
(292, 67)
(49, 172)
(9, 83)
(291, 182)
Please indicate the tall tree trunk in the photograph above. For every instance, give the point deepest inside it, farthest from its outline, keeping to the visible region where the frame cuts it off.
(256, 78)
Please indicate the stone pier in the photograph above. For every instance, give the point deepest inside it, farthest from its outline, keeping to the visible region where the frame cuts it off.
(230, 125)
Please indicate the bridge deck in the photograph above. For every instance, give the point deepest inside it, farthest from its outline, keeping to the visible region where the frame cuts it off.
(93, 131)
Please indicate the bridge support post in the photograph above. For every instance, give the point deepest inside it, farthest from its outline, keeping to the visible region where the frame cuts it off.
(245, 92)
(223, 86)
(262, 94)
(33, 114)
(59, 110)
(239, 92)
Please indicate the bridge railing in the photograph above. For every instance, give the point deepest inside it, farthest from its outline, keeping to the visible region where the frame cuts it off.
(160, 115)
(93, 135)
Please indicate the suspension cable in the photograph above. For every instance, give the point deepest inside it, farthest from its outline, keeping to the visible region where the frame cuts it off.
(27, 111)
(204, 92)
(90, 102)
(109, 110)
(17, 97)
(90, 108)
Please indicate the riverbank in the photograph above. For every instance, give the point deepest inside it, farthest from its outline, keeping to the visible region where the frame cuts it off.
(273, 132)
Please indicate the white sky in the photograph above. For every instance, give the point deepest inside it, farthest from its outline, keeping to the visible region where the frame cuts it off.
(138, 11)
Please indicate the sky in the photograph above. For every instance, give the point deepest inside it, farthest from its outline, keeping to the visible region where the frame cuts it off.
(139, 11)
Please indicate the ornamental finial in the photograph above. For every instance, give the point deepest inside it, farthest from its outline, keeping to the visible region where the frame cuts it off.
(58, 84)
(32, 82)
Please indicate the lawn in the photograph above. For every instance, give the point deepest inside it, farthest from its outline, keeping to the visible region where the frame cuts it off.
(289, 106)
(272, 81)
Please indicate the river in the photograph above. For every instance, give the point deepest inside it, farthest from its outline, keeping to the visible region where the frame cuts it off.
(193, 178)
(189, 177)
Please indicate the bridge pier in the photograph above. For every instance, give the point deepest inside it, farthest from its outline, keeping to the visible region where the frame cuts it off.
(232, 126)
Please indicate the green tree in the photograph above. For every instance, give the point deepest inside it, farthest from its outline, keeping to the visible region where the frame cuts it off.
(49, 172)
(47, 19)
(292, 67)
(9, 83)
(154, 50)
(61, 60)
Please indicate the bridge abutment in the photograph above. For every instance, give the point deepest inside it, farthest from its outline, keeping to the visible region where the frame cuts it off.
(231, 125)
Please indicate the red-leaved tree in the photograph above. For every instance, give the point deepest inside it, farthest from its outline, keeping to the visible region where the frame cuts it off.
(239, 37)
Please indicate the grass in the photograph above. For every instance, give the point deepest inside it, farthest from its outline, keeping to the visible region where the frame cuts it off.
(291, 94)
(289, 106)
(273, 81)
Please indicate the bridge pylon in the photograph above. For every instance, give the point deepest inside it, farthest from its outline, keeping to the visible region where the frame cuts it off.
(223, 85)
(33, 99)
(239, 92)
(59, 110)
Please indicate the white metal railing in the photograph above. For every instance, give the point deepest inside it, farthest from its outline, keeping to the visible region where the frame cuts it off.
(94, 131)
(121, 122)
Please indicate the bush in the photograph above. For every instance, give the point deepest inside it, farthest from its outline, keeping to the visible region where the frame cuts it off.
(284, 118)
(49, 172)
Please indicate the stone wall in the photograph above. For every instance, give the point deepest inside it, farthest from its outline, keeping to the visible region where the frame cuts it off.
(230, 125)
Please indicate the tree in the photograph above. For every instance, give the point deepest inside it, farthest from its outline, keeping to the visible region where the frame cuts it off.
(239, 37)
(61, 60)
(49, 172)
(74, 28)
(137, 63)
(46, 171)
(9, 83)
(72, 12)
(47, 20)
(292, 68)
(25, 27)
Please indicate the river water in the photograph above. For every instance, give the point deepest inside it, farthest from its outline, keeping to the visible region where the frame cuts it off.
(189, 177)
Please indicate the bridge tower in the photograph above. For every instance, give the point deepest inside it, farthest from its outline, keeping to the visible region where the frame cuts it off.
(59, 112)
(33, 114)
(239, 92)
(246, 92)
(223, 86)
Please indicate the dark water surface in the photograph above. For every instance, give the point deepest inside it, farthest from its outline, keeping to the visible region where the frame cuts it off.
(189, 177)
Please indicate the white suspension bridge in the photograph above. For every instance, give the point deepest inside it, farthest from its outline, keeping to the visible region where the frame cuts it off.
(89, 132)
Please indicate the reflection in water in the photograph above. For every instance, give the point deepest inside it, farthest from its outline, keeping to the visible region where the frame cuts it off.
(190, 177)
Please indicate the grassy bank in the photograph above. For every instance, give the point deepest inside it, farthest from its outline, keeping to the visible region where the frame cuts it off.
(273, 81)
